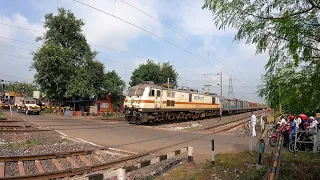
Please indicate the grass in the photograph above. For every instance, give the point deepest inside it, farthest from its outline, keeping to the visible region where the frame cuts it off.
(304, 166)
(2, 116)
(242, 166)
(227, 166)
(28, 143)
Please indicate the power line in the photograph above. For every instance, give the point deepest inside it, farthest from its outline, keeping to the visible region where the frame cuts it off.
(117, 50)
(181, 36)
(15, 76)
(123, 20)
(112, 49)
(17, 47)
(91, 44)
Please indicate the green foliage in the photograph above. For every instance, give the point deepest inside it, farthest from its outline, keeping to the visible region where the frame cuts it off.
(289, 30)
(65, 64)
(157, 73)
(17, 86)
(114, 86)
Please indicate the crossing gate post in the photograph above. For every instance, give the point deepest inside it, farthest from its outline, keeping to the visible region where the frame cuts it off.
(212, 153)
(121, 174)
(190, 151)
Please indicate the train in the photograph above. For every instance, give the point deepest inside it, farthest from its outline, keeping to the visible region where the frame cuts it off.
(149, 102)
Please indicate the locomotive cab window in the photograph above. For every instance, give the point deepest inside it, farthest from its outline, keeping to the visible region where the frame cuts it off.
(151, 93)
(158, 93)
(170, 103)
(139, 91)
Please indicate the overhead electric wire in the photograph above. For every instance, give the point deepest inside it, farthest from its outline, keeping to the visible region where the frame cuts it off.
(89, 43)
(145, 30)
(181, 35)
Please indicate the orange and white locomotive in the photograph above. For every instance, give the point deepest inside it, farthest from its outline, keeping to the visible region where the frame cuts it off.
(148, 102)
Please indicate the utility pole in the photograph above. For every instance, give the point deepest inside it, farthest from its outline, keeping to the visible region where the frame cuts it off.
(220, 95)
(280, 107)
(168, 82)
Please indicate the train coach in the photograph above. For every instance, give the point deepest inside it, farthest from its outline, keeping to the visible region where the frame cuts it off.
(148, 102)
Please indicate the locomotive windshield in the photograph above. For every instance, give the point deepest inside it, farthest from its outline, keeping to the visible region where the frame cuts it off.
(132, 91)
(135, 91)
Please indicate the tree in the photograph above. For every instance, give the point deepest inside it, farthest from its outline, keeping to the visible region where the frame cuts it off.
(18, 86)
(114, 87)
(289, 30)
(154, 72)
(65, 64)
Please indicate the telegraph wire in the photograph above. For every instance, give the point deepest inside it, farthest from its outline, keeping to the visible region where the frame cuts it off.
(181, 35)
(88, 43)
(123, 20)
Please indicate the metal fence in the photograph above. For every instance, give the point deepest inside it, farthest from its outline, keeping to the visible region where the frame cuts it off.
(307, 141)
(276, 156)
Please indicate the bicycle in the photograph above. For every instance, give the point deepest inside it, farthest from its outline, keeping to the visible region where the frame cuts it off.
(246, 131)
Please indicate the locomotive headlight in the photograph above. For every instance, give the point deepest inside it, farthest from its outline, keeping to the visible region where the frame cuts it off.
(139, 109)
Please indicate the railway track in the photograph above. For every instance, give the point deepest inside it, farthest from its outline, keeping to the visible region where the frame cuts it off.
(16, 126)
(68, 164)
(64, 164)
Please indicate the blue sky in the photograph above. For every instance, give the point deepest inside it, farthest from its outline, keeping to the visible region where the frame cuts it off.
(185, 17)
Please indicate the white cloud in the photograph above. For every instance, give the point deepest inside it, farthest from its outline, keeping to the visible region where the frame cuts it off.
(106, 30)
(198, 21)
(16, 60)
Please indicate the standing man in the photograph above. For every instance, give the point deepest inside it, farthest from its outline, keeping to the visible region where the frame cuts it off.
(253, 124)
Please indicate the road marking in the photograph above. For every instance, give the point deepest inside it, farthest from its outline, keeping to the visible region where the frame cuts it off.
(88, 142)
(122, 150)
(63, 134)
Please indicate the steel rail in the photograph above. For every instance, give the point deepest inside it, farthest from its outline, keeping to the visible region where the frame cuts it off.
(23, 130)
(10, 121)
(15, 126)
(76, 171)
(219, 125)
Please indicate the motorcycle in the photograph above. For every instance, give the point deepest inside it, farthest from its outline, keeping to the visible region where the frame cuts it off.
(284, 130)
(272, 129)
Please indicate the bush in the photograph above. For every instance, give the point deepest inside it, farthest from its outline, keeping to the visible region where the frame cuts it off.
(46, 111)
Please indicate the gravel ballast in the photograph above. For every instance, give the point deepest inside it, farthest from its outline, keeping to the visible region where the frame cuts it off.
(64, 163)
(48, 166)
(11, 169)
(30, 167)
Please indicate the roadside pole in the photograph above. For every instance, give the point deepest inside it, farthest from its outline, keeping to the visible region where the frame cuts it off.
(10, 111)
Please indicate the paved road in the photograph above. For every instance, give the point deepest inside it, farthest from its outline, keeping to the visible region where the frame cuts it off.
(138, 138)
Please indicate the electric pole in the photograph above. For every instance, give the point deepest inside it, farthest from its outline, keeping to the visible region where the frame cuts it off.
(221, 99)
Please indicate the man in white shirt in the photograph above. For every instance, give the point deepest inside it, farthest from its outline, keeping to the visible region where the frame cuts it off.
(298, 121)
(253, 124)
(313, 124)
(282, 121)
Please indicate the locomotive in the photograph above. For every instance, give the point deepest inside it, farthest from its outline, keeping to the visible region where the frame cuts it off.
(148, 102)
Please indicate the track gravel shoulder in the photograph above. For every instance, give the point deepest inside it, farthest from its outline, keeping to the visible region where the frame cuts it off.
(30, 167)
(11, 169)
(48, 166)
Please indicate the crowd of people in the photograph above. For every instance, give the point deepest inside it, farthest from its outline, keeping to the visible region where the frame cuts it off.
(295, 123)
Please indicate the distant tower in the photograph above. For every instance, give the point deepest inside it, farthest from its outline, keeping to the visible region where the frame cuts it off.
(230, 92)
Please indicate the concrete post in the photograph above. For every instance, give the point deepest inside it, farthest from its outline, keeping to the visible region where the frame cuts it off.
(10, 111)
(190, 151)
(212, 153)
(121, 174)
(315, 146)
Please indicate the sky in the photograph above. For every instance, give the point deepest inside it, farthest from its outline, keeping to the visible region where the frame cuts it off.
(186, 37)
